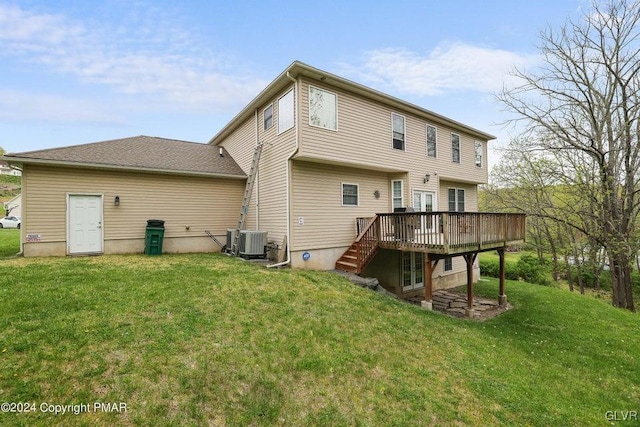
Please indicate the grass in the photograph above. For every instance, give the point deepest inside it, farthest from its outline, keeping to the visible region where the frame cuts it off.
(9, 242)
(211, 340)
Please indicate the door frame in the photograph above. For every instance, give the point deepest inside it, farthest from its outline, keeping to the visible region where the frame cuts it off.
(413, 263)
(434, 206)
(68, 233)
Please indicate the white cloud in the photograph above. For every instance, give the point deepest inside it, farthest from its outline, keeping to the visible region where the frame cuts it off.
(18, 106)
(448, 67)
(152, 59)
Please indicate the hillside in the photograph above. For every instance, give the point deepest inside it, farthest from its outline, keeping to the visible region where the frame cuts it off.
(207, 339)
(9, 187)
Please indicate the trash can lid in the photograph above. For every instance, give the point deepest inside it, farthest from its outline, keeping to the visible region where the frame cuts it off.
(155, 223)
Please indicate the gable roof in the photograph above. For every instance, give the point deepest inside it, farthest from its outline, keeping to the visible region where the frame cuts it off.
(139, 153)
(297, 68)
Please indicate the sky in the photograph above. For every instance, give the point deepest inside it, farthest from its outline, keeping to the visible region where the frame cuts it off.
(77, 71)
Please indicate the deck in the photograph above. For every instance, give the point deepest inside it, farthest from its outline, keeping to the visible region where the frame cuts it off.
(437, 233)
(449, 233)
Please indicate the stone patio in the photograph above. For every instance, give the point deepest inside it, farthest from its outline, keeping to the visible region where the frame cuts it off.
(454, 303)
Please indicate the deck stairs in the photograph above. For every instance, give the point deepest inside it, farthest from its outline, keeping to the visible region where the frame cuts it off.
(362, 250)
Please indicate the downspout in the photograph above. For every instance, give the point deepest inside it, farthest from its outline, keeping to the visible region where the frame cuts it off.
(288, 177)
(257, 177)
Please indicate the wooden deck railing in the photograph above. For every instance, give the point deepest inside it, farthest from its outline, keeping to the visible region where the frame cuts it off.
(444, 233)
(367, 241)
(450, 232)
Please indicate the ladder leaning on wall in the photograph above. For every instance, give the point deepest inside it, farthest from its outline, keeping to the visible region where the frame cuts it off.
(248, 190)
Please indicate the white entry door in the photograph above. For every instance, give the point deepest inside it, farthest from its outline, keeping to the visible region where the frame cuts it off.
(423, 201)
(85, 224)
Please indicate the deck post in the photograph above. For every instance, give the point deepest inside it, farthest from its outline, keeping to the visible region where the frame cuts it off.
(427, 304)
(470, 259)
(502, 299)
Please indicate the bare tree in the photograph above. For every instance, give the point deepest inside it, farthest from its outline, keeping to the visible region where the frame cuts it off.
(583, 103)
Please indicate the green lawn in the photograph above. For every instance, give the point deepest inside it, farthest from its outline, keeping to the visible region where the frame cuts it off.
(188, 340)
(9, 242)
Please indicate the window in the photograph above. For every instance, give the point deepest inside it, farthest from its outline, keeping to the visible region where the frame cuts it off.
(349, 194)
(398, 131)
(455, 148)
(285, 112)
(456, 200)
(448, 264)
(431, 141)
(267, 116)
(478, 148)
(398, 201)
(323, 108)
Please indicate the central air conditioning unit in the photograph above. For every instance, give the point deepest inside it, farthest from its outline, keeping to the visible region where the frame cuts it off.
(231, 235)
(252, 243)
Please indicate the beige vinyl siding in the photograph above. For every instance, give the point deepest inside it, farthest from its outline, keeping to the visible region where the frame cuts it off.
(364, 138)
(272, 178)
(196, 202)
(270, 190)
(241, 144)
(317, 198)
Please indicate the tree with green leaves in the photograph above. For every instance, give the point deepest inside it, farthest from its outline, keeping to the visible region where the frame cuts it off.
(583, 108)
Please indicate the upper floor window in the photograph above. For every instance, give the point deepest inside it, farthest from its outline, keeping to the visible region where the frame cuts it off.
(397, 193)
(455, 148)
(456, 199)
(431, 141)
(478, 149)
(323, 108)
(398, 131)
(349, 194)
(285, 112)
(267, 116)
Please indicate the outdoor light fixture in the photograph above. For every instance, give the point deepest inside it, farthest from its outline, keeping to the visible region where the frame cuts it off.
(427, 177)
(116, 201)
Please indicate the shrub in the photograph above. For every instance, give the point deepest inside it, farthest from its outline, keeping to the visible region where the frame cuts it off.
(529, 269)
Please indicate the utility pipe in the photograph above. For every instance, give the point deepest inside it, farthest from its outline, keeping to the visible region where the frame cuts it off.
(288, 177)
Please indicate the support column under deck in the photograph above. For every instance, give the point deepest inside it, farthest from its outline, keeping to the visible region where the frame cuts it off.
(470, 259)
(428, 284)
(502, 299)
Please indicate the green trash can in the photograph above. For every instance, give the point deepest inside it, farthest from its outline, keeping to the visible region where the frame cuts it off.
(153, 237)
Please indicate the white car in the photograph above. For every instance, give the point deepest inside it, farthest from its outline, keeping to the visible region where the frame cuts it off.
(10, 222)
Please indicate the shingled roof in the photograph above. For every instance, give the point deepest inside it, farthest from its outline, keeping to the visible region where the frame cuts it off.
(141, 153)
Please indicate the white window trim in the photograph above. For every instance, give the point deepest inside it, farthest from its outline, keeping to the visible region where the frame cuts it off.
(459, 162)
(475, 143)
(404, 121)
(293, 122)
(456, 189)
(444, 265)
(309, 100)
(342, 184)
(426, 141)
(401, 192)
(263, 120)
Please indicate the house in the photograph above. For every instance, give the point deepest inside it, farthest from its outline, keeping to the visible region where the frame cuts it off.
(96, 198)
(336, 154)
(12, 207)
(333, 161)
(5, 169)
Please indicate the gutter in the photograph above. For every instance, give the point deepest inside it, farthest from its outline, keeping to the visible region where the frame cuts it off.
(293, 153)
(24, 160)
